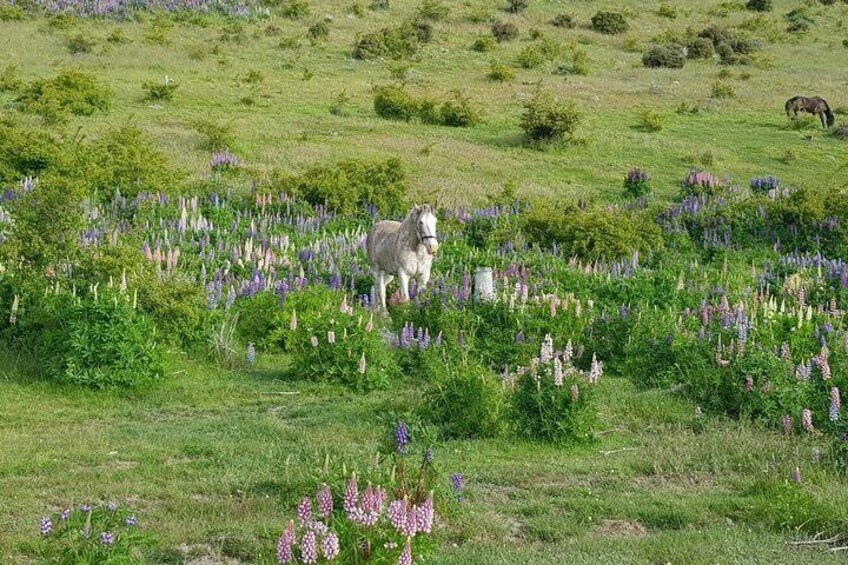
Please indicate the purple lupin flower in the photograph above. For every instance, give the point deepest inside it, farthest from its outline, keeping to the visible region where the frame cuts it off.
(351, 497)
(65, 514)
(304, 512)
(807, 419)
(309, 548)
(285, 553)
(402, 438)
(131, 521)
(46, 526)
(406, 556)
(796, 475)
(428, 455)
(112, 506)
(835, 404)
(458, 483)
(426, 514)
(397, 513)
(107, 538)
(330, 546)
(325, 501)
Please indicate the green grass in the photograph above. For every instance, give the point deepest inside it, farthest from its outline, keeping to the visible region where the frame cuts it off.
(214, 460)
(288, 126)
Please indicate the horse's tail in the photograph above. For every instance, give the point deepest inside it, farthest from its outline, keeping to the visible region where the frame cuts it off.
(831, 119)
(788, 106)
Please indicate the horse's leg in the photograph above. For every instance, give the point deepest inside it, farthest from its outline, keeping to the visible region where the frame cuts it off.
(380, 282)
(403, 279)
(823, 121)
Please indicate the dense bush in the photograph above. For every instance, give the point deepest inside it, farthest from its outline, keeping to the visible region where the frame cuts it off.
(396, 43)
(723, 90)
(295, 9)
(700, 48)
(466, 400)
(159, 91)
(563, 20)
(637, 183)
(349, 186)
(504, 31)
(101, 341)
(70, 92)
(593, 234)
(499, 72)
(667, 11)
(516, 6)
(25, 152)
(610, 23)
(758, 5)
(670, 56)
(433, 10)
(547, 119)
(798, 20)
(459, 111)
(650, 121)
(178, 308)
(394, 103)
(483, 44)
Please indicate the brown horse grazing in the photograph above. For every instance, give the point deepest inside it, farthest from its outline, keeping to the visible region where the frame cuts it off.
(815, 105)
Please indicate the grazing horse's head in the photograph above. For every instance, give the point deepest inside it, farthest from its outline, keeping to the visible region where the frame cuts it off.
(425, 226)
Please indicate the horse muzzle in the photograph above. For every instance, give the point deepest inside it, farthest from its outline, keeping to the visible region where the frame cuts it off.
(431, 245)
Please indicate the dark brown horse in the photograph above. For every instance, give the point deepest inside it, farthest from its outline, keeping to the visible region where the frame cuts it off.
(815, 105)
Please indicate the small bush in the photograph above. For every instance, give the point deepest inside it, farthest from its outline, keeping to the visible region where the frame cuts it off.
(102, 341)
(11, 13)
(10, 80)
(759, 5)
(547, 119)
(499, 72)
(483, 44)
(396, 43)
(531, 57)
(394, 103)
(163, 91)
(563, 20)
(70, 92)
(466, 399)
(117, 37)
(349, 186)
(433, 10)
(723, 90)
(610, 23)
(650, 121)
(637, 183)
(80, 44)
(215, 136)
(295, 9)
(700, 48)
(319, 30)
(516, 6)
(798, 20)
(340, 103)
(667, 11)
(669, 56)
(459, 111)
(504, 31)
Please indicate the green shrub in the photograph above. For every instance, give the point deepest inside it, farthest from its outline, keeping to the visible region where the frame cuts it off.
(160, 91)
(555, 409)
(11, 13)
(397, 43)
(610, 23)
(70, 92)
(334, 347)
(700, 48)
(349, 186)
(102, 341)
(798, 20)
(483, 44)
(117, 37)
(516, 6)
(80, 44)
(295, 9)
(592, 234)
(392, 102)
(667, 11)
(25, 152)
(637, 183)
(504, 31)
(466, 400)
(319, 30)
(650, 121)
(669, 56)
(258, 317)
(10, 80)
(215, 137)
(531, 57)
(179, 309)
(499, 72)
(433, 10)
(459, 111)
(547, 119)
(563, 20)
(759, 5)
(723, 90)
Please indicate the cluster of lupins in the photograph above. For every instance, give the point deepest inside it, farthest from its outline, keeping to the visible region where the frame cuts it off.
(224, 160)
(410, 336)
(765, 185)
(95, 526)
(701, 180)
(123, 9)
(558, 365)
(383, 526)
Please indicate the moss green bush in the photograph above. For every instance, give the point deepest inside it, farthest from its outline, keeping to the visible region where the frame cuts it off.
(563, 20)
(700, 48)
(504, 31)
(393, 102)
(159, 91)
(669, 56)
(295, 9)
(70, 92)
(433, 10)
(392, 42)
(610, 23)
(547, 119)
(484, 44)
(499, 72)
(759, 5)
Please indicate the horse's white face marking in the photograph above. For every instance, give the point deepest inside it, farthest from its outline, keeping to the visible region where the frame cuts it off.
(427, 231)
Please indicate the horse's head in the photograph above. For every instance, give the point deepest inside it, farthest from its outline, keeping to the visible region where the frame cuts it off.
(426, 228)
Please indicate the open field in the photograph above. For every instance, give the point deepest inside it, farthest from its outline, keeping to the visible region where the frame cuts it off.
(150, 352)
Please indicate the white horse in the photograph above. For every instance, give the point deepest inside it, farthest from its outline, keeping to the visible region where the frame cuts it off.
(403, 249)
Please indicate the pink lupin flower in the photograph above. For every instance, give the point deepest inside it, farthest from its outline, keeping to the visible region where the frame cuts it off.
(787, 424)
(766, 388)
(304, 512)
(325, 501)
(557, 372)
(331, 337)
(314, 341)
(284, 546)
(351, 497)
(426, 513)
(807, 419)
(330, 546)
(293, 324)
(569, 352)
(546, 354)
(596, 371)
(834, 397)
(309, 548)
(362, 364)
(406, 556)
(411, 524)
(575, 392)
(796, 475)
(397, 514)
